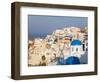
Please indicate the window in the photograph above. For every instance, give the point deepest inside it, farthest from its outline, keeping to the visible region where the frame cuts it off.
(83, 47)
(72, 49)
(86, 49)
(86, 44)
(76, 49)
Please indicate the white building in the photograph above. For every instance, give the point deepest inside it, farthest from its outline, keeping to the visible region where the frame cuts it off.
(76, 48)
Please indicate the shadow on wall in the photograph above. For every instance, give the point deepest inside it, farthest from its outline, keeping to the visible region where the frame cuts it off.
(84, 58)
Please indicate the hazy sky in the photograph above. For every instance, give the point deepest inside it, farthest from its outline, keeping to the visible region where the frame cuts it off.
(39, 25)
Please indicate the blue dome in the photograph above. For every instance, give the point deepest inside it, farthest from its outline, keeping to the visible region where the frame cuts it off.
(76, 42)
(72, 60)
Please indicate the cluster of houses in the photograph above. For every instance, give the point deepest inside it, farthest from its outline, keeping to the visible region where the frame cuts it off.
(63, 47)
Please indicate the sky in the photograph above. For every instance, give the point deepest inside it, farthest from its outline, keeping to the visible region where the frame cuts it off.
(40, 26)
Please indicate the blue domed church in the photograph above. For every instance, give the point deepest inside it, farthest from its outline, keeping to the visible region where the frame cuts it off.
(76, 48)
(76, 51)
